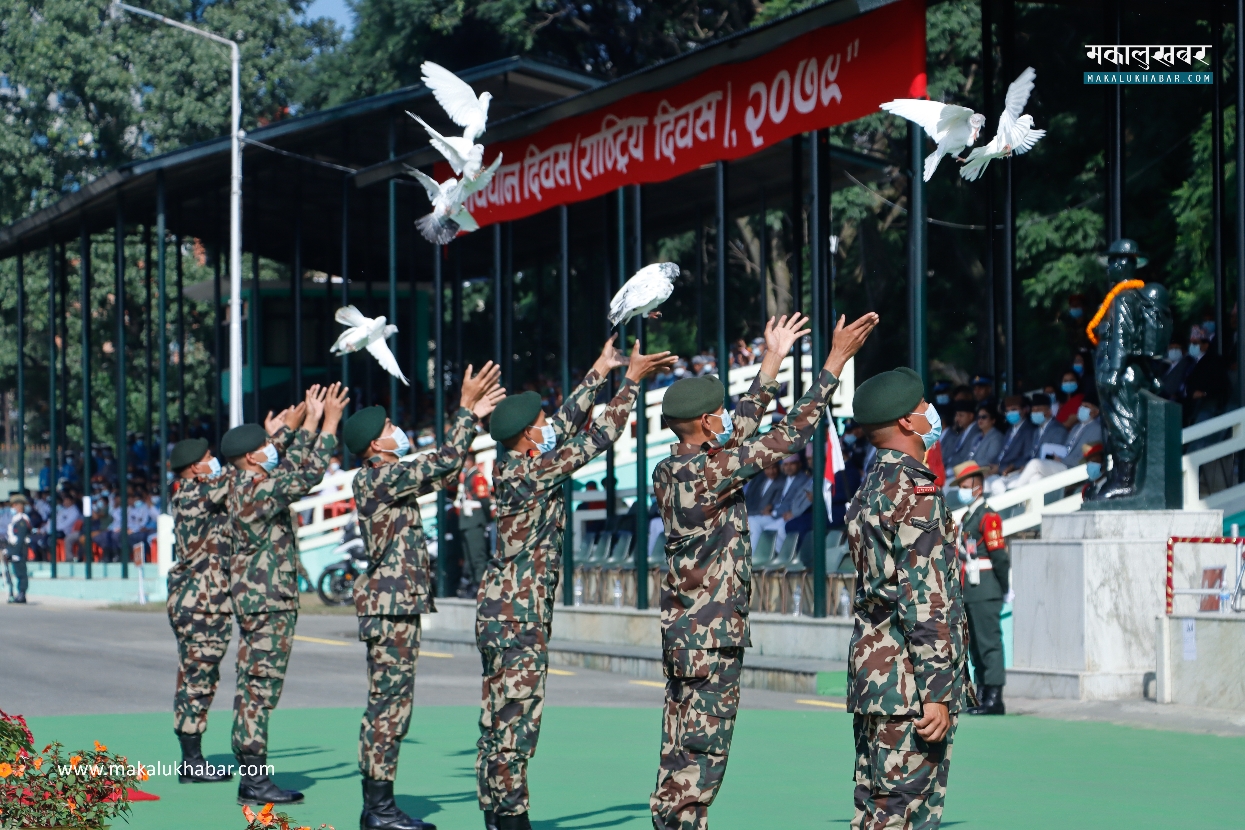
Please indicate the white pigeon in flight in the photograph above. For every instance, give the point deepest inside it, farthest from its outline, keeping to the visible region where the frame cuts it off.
(366, 333)
(466, 110)
(1015, 135)
(449, 217)
(952, 127)
(648, 288)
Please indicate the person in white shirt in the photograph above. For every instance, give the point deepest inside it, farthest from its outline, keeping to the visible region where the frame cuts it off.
(1087, 430)
(69, 526)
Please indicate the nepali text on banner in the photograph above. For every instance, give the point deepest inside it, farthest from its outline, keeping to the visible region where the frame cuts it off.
(828, 76)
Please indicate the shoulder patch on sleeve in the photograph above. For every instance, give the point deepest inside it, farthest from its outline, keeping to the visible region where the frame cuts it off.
(925, 489)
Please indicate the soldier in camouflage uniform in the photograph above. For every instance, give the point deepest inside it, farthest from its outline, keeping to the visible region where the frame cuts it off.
(396, 589)
(514, 611)
(699, 490)
(199, 606)
(263, 567)
(907, 673)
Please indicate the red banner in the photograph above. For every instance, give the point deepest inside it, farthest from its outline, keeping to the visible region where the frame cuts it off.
(826, 77)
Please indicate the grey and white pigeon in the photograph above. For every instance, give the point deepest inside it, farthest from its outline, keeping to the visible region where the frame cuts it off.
(651, 286)
(366, 333)
(1015, 134)
(466, 110)
(449, 217)
(952, 127)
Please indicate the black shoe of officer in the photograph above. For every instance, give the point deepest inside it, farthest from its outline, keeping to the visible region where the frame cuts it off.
(256, 788)
(991, 702)
(194, 768)
(517, 822)
(490, 820)
(380, 811)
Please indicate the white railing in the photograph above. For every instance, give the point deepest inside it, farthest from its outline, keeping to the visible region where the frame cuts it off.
(1033, 497)
(1232, 499)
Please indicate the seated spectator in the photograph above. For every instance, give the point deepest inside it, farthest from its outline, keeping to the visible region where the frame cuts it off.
(1070, 386)
(1018, 441)
(1095, 469)
(761, 494)
(101, 532)
(942, 399)
(1206, 387)
(797, 498)
(69, 525)
(1173, 371)
(958, 436)
(1083, 368)
(1088, 431)
(989, 441)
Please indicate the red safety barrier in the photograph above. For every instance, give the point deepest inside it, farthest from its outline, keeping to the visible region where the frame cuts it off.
(1172, 541)
(338, 508)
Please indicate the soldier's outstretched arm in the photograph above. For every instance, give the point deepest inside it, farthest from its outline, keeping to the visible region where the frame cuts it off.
(428, 471)
(781, 333)
(576, 410)
(568, 457)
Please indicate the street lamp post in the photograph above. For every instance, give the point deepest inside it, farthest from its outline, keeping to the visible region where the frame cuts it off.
(235, 206)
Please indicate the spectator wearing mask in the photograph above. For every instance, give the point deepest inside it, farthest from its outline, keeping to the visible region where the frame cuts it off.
(45, 475)
(1083, 368)
(1018, 438)
(989, 441)
(1172, 375)
(942, 400)
(101, 534)
(1206, 387)
(957, 438)
(1095, 470)
(1071, 388)
(761, 495)
(797, 497)
(69, 525)
(854, 445)
(983, 390)
(1087, 431)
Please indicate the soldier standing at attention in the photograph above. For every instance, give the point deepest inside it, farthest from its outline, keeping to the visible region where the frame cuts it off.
(17, 534)
(907, 675)
(263, 567)
(396, 589)
(983, 554)
(199, 606)
(474, 516)
(514, 612)
(699, 490)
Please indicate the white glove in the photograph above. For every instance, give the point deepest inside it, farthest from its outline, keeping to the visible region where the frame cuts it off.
(1009, 596)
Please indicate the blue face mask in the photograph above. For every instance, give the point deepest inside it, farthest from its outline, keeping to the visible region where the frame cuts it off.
(403, 443)
(1195, 350)
(966, 494)
(1079, 368)
(1093, 469)
(1013, 416)
(849, 439)
(1038, 418)
(728, 429)
(930, 438)
(213, 467)
(1209, 326)
(1069, 386)
(1083, 415)
(942, 400)
(270, 462)
(1075, 312)
(548, 439)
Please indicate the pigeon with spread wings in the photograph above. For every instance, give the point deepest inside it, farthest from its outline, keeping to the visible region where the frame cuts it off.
(952, 127)
(466, 110)
(1015, 134)
(366, 333)
(449, 216)
(648, 288)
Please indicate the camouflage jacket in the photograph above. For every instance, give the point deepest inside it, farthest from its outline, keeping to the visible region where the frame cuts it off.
(263, 562)
(520, 583)
(700, 492)
(199, 582)
(397, 579)
(910, 642)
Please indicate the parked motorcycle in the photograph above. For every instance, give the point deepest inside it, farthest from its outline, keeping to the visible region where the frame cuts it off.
(336, 583)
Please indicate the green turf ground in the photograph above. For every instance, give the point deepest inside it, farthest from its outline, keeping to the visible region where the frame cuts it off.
(596, 767)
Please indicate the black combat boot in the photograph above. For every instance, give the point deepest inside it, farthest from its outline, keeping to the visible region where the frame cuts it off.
(256, 788)
(1121, 484)
(490, 820)
(518, 822)
(380, 811)
(194, 768)
(991, 702)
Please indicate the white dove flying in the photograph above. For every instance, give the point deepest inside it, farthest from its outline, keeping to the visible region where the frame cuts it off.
(448, 216)
(1015, 134)
(366, 333)
(952, 127)
(466, 110)
(648, 288)
(464, 155)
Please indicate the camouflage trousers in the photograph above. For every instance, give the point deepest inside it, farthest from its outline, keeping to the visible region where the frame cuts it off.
(202, 640)
(702, 699)
(901, 781)
(392, 654)
(264, 642)
(512, 699)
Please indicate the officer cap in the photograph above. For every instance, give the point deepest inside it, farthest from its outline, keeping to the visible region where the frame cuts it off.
(693, 397)
(186, 453)
(513, 415)
(363, 427)
(242, 439)
(983, 380)
(887, 397)
(1125, 248)
(17, 498)
(942, 386)
(966, 470)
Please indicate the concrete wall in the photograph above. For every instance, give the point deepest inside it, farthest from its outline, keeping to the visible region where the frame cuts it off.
(1200, 660)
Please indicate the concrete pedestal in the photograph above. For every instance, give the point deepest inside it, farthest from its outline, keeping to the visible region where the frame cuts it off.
(1088, 593)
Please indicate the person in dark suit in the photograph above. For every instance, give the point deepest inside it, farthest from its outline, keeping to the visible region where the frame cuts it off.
(761, 495)
(1018, 439)
(797, 497)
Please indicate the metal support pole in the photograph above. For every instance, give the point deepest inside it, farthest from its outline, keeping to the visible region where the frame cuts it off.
(296, 280)
(498, 300)
(564, 363)
(818, 226)
(700, 281)
(149, 375)
(797, 257)
(21, 379)
(641, 430)
(345, 297)
(763, 264)
(218, 418)
(916, 254)
(988, 110)
(438, 386)
(1115, 131)
(719, 192)
(507, 352)
(1216, 173)
(1240, 200)
(162, 340)
(181, 344)
(84, 280)
(52, 501)
(122, 460)
(393, 271)
(613, 280)
(1009, 222)
(254, 352)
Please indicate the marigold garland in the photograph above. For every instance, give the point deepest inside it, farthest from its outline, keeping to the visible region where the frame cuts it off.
(1106, 304)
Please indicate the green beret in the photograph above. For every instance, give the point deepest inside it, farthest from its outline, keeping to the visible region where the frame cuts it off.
(887, 397)
(363, 427)
(513, 415)
(186, 453)
(242, 439)
(693, 397)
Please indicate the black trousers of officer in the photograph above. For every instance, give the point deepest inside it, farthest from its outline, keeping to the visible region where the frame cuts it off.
(985, 642)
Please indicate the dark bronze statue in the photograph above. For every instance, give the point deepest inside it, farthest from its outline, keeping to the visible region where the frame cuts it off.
(1135, 330)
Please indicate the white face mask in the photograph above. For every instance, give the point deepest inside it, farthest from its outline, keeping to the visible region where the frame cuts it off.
(270, 461)
(1083, 415)
(930, 438)
(966, 495)
(548, 439)
(213, 467)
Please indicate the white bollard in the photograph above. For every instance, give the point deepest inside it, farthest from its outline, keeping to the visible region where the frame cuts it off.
(164, 544)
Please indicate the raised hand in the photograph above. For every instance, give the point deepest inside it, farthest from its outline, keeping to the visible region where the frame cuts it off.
(476, 386)
(848, 340)
(314, 401)
(293, 416)
(488, 403)
(643, 366)
(273, 423)
(780, 335)
(610, 357)
(335, 399)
